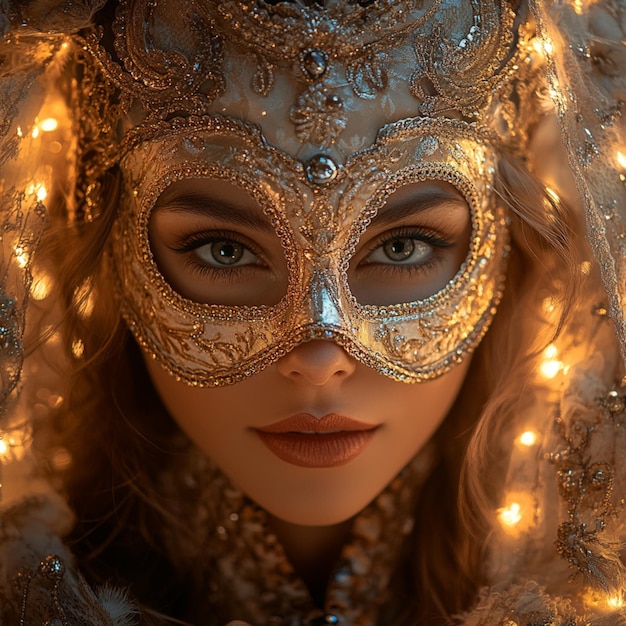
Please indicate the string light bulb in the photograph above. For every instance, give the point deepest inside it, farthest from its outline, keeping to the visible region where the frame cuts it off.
(39, 190)
(40, 287)
(510, 515)
(550, 366)
(553, 194)
(49, 124)
(78, 348)
(528, 438)
(615, 601)
(21, 255)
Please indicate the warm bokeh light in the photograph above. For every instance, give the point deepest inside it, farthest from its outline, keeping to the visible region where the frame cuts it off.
(518, 513)
(49, 124)
(550, 366)
(549, 369)
(40, 287)
(21, 254)
(528, 438)
(606, 602)
(38, 190)
(78, 347)
(510, 515)
(621, 159)
(14, 446)
(549, 305)
(83, 299)
(553, 194)
(550, 352)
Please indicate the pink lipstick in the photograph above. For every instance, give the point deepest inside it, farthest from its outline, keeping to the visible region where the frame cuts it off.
(307, 441)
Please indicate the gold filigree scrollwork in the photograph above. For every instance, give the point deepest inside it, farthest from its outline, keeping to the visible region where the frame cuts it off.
(409, 349)
(320, 226)
(263, 79)
(100, 105)
(281, 32)
(463, 76)
(224, 353)
(165, 65)
(187, 339)
(307, 35)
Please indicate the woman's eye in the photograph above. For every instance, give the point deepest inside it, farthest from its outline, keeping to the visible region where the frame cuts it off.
(226, 253)
(400, 250)
(407, 265)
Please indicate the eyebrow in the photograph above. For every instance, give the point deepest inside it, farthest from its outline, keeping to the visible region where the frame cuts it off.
(417, 203)
(204, 205)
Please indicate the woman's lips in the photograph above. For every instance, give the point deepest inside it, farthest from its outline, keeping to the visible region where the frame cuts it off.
(307, 441)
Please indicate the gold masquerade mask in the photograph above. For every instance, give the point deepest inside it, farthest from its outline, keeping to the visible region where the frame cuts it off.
(300, 77)
(319, 228)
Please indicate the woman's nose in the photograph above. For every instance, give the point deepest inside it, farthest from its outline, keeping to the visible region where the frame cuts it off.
(317, 362)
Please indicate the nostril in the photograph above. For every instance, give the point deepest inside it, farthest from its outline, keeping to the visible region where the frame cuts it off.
(317, 362)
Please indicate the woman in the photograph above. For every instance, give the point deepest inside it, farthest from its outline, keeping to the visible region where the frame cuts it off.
(324, 345)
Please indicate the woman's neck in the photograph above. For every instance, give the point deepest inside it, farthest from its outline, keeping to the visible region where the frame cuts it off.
(313, 551)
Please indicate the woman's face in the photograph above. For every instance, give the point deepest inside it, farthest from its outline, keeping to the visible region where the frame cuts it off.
(315, 436)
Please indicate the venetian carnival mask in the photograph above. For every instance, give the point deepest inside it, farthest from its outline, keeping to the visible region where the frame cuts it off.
(265, 97)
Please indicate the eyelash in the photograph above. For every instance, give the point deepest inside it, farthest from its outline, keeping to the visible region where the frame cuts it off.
(189, 243)
(437, 242)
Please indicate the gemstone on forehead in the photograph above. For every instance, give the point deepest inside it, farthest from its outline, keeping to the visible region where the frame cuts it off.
(321, 170)
(333, 101)
(314, 62)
